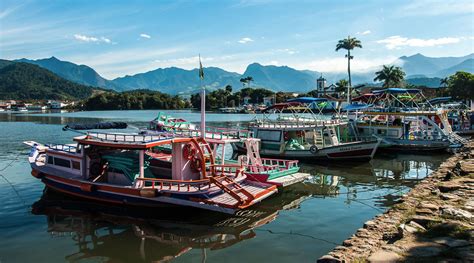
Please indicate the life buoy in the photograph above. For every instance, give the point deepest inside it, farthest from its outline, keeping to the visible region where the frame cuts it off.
(313, 149)
(188, 151)
(196, 164)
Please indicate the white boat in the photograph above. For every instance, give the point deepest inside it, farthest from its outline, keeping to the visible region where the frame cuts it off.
(304, 135)
(406, 121)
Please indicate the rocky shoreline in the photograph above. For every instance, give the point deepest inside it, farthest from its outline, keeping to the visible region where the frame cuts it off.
(433, 222)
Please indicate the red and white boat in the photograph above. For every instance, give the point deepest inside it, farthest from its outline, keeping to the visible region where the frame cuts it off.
(115, 168)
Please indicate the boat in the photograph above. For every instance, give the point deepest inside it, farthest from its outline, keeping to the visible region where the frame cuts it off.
(114, 168)
(406, 121)
(275, 171)
(291, 130)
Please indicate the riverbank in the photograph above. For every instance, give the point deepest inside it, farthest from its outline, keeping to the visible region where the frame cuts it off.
(433, 222)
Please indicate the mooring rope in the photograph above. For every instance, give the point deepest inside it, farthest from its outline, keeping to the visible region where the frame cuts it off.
(296, 234)
(11, 185)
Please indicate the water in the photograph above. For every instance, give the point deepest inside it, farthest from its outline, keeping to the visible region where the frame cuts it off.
(300, 224)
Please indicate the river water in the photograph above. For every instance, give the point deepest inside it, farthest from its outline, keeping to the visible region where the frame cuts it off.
(299, 224)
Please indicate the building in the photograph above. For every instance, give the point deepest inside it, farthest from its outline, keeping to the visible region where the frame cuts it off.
(321, 86)
(269, 101)
(247, 100)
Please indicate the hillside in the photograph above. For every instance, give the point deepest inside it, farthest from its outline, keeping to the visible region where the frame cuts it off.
(80, 74)
(26, 81)
(176, 80)
(420, 70)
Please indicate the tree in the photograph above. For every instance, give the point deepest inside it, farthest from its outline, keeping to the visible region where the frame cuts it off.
(390, 75)
(341, 85)
(246, 81)
(348, 44)
(443, 83)
(461, 85)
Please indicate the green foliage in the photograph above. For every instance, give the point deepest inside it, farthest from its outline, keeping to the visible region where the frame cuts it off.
(26, 81)
(392, 76)
(222, 98)
(461, 85)
(134, 100)
(341, 85)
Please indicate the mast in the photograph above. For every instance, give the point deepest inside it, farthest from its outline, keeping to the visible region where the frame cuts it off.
(203, 100)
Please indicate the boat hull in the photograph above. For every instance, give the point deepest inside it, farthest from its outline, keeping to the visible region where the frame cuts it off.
(400, 145)
(359, 151)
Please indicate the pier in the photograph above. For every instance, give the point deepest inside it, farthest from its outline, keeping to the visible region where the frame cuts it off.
(433, 222)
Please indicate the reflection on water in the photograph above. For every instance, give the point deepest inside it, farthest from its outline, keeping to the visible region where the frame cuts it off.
(99, 231)
(298, 224)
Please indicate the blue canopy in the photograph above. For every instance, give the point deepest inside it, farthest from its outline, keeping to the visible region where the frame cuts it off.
(396, 90)
(307, 100)
(439, 100)
(354, 107)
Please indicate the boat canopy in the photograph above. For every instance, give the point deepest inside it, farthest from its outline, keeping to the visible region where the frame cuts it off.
(281, 106)
(439, 100)
(365, 97)
(396, 90)
(355, 107)
(307, 100)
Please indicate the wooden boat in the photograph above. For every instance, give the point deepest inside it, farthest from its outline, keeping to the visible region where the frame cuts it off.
(302, 135)
(272, 171)
(114, 168)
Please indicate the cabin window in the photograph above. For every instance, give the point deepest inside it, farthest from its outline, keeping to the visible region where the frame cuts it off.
(76, 165)
(50, 159)
(268, 135)
(62, 162)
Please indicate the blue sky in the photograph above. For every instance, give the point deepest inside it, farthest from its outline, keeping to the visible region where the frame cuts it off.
(120, 37)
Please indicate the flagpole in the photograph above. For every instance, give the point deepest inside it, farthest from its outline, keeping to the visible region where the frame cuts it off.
(203, 100)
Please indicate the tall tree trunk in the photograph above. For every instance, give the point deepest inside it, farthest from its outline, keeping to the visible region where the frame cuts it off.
(349, 73)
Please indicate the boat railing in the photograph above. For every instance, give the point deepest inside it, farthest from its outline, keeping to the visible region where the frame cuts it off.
(167, 184)
(261, 168)
(62, 147)
(130, 138)
(296, 124)
(225, 169)
(212, 133)
(280, 162)
(358, 139)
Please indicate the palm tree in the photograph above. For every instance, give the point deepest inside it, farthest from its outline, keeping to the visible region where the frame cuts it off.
(444, 82)
(246, 80)
(341, 85)
(348, 44)
(390, 75)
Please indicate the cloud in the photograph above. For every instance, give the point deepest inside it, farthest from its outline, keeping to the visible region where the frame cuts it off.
(339, 64)
(366, 32)
(245, 40)
(142, 35)
(288, 51)
(396, 42)
(84, 38)
(434, 8)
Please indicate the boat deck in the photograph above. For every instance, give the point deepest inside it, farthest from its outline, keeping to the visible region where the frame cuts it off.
(254, 188)
(289, 179)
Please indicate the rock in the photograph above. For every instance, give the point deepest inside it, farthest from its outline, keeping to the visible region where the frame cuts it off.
(430, 206)
(369, 224)
(451, 242)
(449, 187)
(423, 220)
(450, 197)
(343, 248)
(469, 206)
(424, 211)
(410, 229)
(423, 249)
(456, 212)
(328, 259)
(416, 225)
(384, 256)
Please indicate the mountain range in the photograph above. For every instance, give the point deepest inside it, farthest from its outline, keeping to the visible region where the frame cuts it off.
(420, 70)
(19, 80)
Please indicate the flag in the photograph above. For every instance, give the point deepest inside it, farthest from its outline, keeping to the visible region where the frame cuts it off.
(201, 70)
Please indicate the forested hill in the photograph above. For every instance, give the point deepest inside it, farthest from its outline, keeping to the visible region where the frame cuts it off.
(20, 80)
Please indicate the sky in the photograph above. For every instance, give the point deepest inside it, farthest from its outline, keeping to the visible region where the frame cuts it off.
(119, 38)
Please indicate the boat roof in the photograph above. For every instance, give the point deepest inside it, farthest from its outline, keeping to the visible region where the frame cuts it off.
(353, 107)
(439, 100)
(128, 141)
(396, 90)
(307, 100)
(402, 113)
